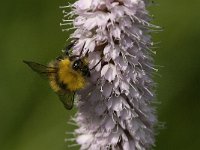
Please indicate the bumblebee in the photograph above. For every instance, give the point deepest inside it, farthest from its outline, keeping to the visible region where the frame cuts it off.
(67, 74)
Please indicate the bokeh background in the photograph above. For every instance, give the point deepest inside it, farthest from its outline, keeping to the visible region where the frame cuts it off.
(31, 116)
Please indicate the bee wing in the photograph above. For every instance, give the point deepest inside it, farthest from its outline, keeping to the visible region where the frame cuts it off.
(67, 98)
(39, 68)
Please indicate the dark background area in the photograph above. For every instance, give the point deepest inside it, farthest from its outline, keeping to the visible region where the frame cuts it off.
(32, 116)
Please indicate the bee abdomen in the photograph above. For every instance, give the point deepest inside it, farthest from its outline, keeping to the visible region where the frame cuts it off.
(54, 85)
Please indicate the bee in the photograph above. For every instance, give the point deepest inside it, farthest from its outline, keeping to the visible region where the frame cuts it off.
(67, 74)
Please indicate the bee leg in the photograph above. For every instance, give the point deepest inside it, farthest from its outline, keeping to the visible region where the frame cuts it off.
(66, 51)
(59, 58)
(68, 48)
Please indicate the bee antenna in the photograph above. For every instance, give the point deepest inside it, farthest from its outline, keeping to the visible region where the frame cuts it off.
(77, 56)
(82, 50)
(96, 64)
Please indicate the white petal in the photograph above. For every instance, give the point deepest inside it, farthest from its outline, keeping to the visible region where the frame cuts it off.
(117, 104)
(109, 102)
(107, 49)
(109, 123)
(90, 23)
(114, 138)
(78, 47)
(125, 102)
(124, 87)
(125, 114)
(91, 46)
(79, 21)
(104, 69)
(132, 144)
(100, 108)
(116, 32)
(114, 53)
(82, 4)
(85, 138)
(94, 58)
(123, 64)
(134, 93)
(116, 83)
(109, 72)
(107, 89)
(126, 146)
(87, 45)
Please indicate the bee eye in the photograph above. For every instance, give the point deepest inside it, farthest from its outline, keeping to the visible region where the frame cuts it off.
(77, 64)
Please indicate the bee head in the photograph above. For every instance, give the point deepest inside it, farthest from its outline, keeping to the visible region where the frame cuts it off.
(78, 65)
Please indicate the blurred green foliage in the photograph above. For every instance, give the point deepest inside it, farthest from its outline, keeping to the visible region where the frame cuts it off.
(32, 116)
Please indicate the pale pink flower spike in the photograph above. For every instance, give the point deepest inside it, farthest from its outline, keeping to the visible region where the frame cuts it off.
(115, 110)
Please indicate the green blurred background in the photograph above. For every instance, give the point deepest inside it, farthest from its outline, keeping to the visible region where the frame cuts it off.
(31, 115)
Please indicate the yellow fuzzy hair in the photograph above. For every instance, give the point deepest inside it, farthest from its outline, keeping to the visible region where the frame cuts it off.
(73, 79)
(52, 79)
(54, 85)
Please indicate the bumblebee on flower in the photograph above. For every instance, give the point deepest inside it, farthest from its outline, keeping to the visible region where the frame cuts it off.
(67, 74)
(113, 40)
